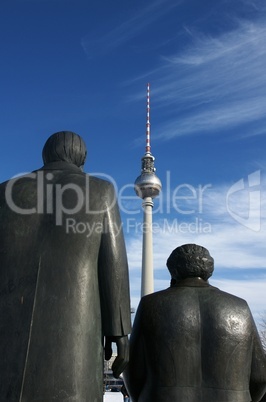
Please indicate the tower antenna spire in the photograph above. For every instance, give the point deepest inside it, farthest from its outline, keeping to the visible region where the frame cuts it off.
(148, 124)
(147, 187)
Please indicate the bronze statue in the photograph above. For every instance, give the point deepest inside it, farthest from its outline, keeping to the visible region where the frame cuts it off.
(63, 280)
(192, 342)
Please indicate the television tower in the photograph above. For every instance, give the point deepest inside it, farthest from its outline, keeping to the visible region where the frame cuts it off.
(147, 187)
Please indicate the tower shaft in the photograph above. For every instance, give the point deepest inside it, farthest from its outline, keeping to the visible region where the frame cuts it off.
(147, 281)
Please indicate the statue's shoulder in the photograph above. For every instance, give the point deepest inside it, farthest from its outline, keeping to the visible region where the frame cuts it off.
(99, 181)
(229, 298)
(155, 298)
(98, 184)
(228, 302)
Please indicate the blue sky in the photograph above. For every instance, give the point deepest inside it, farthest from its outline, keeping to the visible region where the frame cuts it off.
(84, 65)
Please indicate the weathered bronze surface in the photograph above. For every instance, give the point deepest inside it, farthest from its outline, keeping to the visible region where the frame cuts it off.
(194, 343)
(63, 280)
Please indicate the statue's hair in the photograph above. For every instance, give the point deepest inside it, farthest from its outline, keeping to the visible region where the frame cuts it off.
(65, 146)
(190, 260)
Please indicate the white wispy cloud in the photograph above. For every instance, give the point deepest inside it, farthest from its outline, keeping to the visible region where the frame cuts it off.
(214, 83)
(95, 44)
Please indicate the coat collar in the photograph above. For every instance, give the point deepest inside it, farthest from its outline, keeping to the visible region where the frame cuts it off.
(61, 165)
(192, 282)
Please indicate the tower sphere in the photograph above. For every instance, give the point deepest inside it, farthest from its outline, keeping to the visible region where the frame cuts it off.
(148, 185)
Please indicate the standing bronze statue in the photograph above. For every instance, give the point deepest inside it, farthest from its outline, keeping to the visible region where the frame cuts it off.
(63, 280)
(192, 342)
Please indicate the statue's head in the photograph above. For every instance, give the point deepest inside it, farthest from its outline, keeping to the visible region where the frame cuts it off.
(190, 261)
(65, 146)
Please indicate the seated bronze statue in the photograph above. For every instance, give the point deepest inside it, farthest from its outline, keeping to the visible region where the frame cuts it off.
(192, 342)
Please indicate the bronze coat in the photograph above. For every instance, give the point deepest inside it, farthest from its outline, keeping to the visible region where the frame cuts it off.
(63, 285)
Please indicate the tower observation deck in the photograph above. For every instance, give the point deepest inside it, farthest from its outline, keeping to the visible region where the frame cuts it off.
(147, 187)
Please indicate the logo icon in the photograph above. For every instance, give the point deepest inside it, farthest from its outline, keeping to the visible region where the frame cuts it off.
(243, 201)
